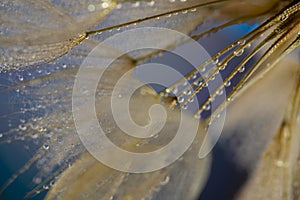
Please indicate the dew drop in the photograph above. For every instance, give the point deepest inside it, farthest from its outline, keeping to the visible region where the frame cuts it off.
(189, 92)
(45, 187)
(283, 17)
(91, 8)
(241, 42)
(227, 83)
(22, 127)
(191, 100)
(194, 76)
(222, 67)
(151, 3)
(207, 106)
(197, 115)
(242, 69)
(180, 99)
(238, 52)
(220, 92)
(198, 83)
(166, 181)
(46, 146)
(185, 106)
(1, 135)
(175, 90)
(216, 61)
(168, 91)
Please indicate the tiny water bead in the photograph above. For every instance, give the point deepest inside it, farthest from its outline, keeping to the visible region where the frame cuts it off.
(46, 146)
(242, 69)
(220, 92)
(238, 52)
(222, 66)
(22, 127)
(227, 83)
(216, 61)
(185, 106)
(165, 181)
(180, 99)
(207, 106)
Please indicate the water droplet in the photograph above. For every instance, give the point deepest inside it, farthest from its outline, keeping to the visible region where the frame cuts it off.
(46, 146)
(194, 76)
(166, 181)
(91, 8)
(64, 66)
(248, 45)
(229, 99)
(45, 187)
(197, 115)
(105, 5)
(222, 67)
(227, 83)
(191, 100)
(151, 3)
(175, 90)
(136, 4)
(52, 183)
(168, 91)
(213, 78)
(216, 61)
(189, 92)
(1, 135)
(120, 96)
(241, 42)
(22, 127)
(284, 17)
(242, 69)
(180, 99)
(238, 52)
(198, 83)
(207, 106)
(220, 92)
(280, 163)
(185, 106)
